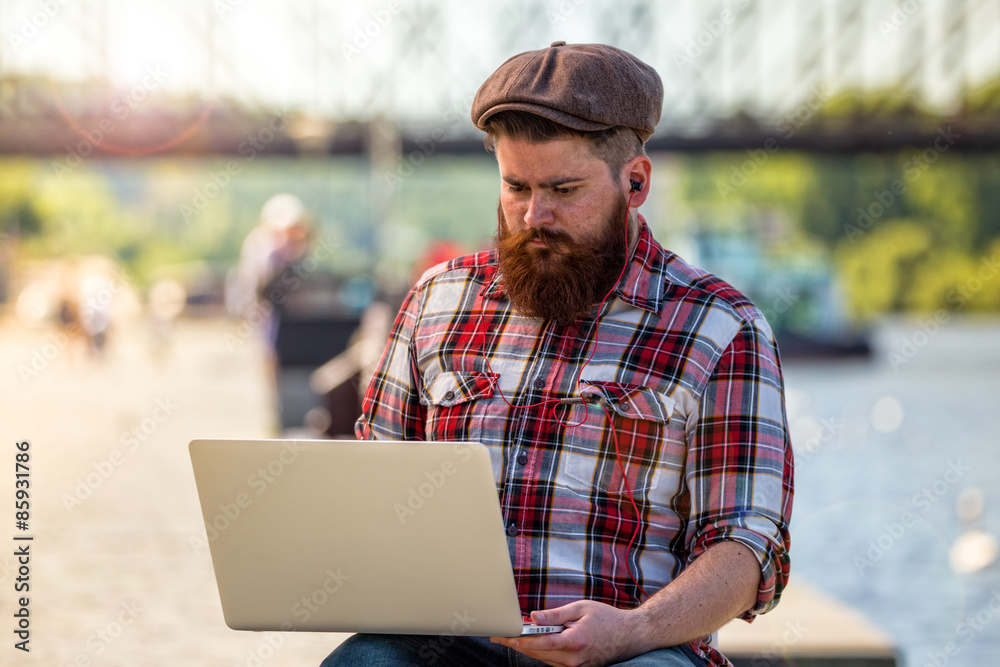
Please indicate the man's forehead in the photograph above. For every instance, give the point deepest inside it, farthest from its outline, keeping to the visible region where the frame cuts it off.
(571, 158)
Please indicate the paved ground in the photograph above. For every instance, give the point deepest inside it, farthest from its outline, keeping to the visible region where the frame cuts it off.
(114, 578)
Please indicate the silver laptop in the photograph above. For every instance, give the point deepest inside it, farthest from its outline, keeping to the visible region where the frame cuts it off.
(346, 536)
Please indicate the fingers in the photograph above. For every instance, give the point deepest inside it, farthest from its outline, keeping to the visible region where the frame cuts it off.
(584, 641)
(557, 641)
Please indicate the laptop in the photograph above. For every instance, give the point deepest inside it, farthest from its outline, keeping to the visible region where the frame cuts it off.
(347, 536)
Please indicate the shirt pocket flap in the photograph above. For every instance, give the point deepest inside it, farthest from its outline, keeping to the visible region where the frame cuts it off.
(630, 401)
(456, 387)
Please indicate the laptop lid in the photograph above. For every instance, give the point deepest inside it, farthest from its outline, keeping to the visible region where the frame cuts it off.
(346, 536)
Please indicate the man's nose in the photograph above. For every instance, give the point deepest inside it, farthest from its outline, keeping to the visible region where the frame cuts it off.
(539, 211)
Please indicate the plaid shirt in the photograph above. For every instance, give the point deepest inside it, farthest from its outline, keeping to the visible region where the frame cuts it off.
(682, 364)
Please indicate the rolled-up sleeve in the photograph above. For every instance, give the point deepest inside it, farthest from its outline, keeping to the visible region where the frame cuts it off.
(740, 466)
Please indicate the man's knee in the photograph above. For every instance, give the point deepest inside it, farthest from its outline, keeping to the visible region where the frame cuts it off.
(372, 650)
(413, 651)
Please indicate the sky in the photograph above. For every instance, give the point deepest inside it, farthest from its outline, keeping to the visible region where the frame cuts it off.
(420, 59)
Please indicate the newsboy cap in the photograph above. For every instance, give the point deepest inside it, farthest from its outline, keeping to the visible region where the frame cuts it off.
(583, 86)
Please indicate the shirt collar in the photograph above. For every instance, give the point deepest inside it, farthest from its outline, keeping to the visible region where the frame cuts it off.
(642, 285)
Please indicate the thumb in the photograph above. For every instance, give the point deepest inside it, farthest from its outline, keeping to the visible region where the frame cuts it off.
(556, 616)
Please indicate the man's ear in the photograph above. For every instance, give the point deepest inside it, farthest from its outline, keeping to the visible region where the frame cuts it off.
(637, 171)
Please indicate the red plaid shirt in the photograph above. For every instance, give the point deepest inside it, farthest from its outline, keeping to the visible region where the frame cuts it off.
(686, 368)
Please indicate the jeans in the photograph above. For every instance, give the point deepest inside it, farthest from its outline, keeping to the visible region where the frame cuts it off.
(429, 651)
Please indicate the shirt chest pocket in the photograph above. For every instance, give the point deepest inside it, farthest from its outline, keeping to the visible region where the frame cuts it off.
(640, 418)
(455, 404)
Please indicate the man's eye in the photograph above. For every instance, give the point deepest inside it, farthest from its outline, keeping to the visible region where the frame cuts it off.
(515, 188)
(564, 191)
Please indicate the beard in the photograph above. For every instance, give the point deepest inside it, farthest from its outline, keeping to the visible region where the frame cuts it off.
(563, 279)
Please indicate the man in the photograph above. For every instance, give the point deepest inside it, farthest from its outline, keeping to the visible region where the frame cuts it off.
(633, 404)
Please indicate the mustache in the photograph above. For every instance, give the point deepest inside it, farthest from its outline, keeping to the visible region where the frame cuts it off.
(558, 242)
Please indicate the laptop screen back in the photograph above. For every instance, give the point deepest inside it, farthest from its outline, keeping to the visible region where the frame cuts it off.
(346, 536)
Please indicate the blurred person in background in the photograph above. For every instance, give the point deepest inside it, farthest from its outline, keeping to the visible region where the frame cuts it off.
(279, 239)
(256, 292)
(85, 294)
(165, 302)
(95, 315)
(633, 404)
(438, 251)
(68, 310)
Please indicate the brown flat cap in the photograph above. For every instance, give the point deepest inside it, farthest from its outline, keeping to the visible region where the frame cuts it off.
(583, 86)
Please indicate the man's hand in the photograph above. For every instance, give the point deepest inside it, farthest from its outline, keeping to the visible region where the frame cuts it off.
(717, 586)
(596, 634)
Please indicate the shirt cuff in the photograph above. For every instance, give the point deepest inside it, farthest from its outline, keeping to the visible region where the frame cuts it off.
(362, 431)
(772, 557)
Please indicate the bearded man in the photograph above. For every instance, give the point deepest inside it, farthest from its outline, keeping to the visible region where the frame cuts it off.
(633, 404)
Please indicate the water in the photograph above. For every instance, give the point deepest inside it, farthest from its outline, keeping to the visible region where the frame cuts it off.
(883, 449)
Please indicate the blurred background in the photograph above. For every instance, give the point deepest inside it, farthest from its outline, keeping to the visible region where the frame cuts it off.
(837, 160)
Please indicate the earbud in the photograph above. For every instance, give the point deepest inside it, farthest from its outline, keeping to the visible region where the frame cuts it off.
(636, 186)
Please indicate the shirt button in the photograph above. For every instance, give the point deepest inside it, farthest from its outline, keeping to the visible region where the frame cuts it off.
(540, 383)
(522, 458)
(512, 529)
(449, 396)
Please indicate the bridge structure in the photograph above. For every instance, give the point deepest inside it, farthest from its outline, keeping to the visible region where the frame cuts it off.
(328, 76)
